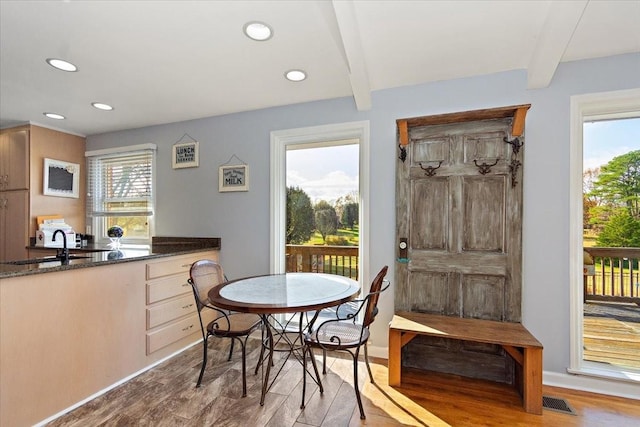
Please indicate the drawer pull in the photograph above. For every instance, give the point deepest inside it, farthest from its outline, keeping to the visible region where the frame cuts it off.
(184, 285)
(187, 328)
(186, 265)
(187, 306)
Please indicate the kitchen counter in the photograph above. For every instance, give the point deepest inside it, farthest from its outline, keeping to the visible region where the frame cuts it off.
(161, 247)
(99, 321)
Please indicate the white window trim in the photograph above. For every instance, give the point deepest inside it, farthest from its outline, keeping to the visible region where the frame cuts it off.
(589, 106)
(126, 149)
(314, 136)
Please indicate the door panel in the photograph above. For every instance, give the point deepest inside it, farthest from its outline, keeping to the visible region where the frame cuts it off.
(460, 207)
(482, 296)
(430, 226)
(483, 217)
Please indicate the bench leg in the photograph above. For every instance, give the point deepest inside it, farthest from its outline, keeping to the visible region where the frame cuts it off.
(395, 357)
(532, 380)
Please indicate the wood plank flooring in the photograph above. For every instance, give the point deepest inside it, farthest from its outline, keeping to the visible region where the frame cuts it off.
(611, 334)
(166, 396)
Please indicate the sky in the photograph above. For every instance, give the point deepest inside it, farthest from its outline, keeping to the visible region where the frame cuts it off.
(324, 173)
(604, 140)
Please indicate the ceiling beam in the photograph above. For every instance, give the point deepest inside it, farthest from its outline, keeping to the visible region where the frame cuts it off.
(352, 44)
(562, 19)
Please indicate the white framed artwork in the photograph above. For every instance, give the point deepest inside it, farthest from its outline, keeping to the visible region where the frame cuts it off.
(61, 179)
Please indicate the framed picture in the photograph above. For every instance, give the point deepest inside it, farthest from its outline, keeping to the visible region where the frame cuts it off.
(185, 155)
(61, 179)
(233, 178)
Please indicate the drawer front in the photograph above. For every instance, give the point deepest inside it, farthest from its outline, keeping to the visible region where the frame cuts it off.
(177, 264)
(171, 310)
(160, 289)
(171, 333)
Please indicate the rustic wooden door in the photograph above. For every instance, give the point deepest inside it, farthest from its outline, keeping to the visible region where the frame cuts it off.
(459, 217)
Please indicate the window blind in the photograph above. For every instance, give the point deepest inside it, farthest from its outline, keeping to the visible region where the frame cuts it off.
(120, 184)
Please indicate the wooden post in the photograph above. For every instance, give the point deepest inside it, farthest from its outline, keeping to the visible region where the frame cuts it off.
(395, 356)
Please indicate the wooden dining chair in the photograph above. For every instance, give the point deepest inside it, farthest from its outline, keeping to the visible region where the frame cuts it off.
(204, 275)
(345, 333)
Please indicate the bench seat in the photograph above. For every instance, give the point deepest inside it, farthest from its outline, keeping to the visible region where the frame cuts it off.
(517, 341)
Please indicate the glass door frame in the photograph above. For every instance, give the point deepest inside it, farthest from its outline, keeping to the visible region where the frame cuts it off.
(596, 106)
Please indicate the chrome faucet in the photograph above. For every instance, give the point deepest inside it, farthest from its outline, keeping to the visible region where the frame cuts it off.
(62, 254)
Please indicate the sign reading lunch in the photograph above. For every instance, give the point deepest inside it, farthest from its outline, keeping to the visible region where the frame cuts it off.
(185, 154)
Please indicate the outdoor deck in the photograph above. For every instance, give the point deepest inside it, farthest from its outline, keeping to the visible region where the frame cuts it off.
(612, 334)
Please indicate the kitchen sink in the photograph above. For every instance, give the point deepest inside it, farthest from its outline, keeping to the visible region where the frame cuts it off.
(43, 260)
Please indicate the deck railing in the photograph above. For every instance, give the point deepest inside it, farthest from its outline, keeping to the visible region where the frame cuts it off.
(341, 260)
(615, 275)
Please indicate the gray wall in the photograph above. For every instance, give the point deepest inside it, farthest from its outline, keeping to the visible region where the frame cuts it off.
(189, 203)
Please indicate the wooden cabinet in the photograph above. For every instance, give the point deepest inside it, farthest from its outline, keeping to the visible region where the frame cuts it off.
(171, 310)
(14, 194)
(67, 335)
(22, 153)
(14, 160)
(14, 228)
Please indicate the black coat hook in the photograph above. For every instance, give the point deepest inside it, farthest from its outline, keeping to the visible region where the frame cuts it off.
(485, 168)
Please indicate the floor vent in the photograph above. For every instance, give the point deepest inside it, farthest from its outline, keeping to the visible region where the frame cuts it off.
(557, 404)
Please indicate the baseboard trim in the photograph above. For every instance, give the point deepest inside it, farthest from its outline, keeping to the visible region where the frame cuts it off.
(590, 384)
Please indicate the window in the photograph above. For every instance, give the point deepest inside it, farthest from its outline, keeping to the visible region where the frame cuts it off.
(120, 185)
(586, 108)
(316, 137)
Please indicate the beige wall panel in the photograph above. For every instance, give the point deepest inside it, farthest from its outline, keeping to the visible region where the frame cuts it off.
(51, 144)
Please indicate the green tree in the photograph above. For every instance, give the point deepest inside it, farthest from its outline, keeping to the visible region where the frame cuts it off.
(589, 200)
(622, 230)
(326, 219)
(300, 223)
(618, 184)
(349, 215)
(616, 193)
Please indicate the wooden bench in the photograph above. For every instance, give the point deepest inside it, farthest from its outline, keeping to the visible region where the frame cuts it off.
(517, 341)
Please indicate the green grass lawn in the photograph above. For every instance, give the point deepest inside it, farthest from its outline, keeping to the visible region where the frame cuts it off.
(343, 237)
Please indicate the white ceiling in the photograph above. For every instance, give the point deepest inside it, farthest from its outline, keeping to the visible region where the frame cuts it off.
(166, 61)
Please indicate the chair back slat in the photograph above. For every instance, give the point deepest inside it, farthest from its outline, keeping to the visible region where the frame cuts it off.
(204, 275)
(372, 299)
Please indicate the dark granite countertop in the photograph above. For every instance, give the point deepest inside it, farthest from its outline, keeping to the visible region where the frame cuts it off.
(91, 247)
(170, 246)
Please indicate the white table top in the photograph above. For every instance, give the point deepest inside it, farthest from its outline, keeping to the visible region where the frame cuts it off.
(284, 293)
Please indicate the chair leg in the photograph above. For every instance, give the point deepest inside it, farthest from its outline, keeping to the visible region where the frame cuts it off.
(204, 359)
(324, 362)
(260, 358)
(231, 350)
(366, 361)
(304, 374)
(355, 383)
(243, 345)
(315, 368)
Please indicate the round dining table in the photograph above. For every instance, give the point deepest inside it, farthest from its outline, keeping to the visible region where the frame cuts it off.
(283, 293)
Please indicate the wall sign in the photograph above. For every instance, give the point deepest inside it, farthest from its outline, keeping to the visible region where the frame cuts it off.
(233, 178)
(61, 179)
(185, 155)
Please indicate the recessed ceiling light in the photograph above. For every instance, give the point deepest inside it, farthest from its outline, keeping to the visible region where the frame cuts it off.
(295, 75)
(102, 106)
(61, 64)
(258, 31)
(55, 116)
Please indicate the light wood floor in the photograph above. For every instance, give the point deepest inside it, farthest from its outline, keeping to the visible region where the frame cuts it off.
(612, 334)
(166, 396)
